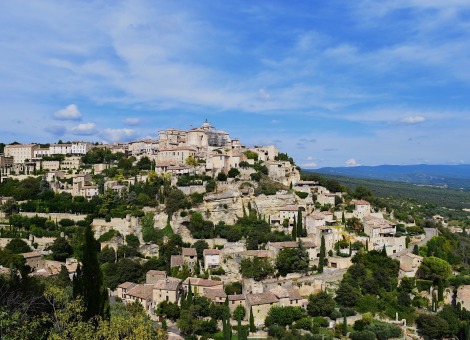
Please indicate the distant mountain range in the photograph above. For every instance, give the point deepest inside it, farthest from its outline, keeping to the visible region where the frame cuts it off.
(451, 176)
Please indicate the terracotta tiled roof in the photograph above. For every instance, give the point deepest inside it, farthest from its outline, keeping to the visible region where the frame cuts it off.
(202, 282)
(294, 294)
(141, 291)
(236, 297)
(213, 294)
(211, 252)
(261, 299)
(170, 283)
(176, 261)
(126, 285)
(280, 292)
(189, 252)
(361, 202)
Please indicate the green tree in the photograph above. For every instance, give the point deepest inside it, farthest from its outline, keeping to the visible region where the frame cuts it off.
(321, 259)
(132, 241)
(344, 328)
(321, 304)
(434, 268)
(61, 249)
(233, 172)
(18, 246)
(258, 268)
(432, 326)
(294, 232)
(252, 321)
(90, 280)
(292, 260)
(149, 233)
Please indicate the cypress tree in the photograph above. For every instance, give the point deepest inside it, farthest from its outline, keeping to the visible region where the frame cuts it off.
(252, 321)
(294, 231)
(344, 330)
(300, 230)
(440, 291)
(350, 248)
(384, 251)
(367, 245)
(343, 219)
(189, 297)
(321, 260)
(90, 280)
(416, 249)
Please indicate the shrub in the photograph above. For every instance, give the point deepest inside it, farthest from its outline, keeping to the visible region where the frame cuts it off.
(301, 194)
(423, 285)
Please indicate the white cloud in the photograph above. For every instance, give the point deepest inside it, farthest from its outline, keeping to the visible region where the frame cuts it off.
(132, 121)
(71, 112)
(413, 119)
(310, 158)
(351, 162)
(115, 135)
(85, 129)
(275, 121)
(309, 165)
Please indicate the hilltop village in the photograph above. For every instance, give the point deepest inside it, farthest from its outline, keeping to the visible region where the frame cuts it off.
(214, 238)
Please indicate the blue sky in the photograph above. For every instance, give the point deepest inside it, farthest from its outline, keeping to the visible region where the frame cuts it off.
(332, 83)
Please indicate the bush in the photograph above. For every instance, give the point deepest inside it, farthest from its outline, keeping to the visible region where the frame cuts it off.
(423, 285)
(363, 335)
(336, 314)
(66, 222)
(221, 177)
(301, 194)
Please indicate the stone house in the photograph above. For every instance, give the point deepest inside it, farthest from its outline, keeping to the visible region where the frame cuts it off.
(409, 264)
(215, 295)
(463, 296)
(378, 227)
(211, 258)
(166, 289)
(153, 276)
(260, 303)
(236, 300)
(361, 208)
(198, 285)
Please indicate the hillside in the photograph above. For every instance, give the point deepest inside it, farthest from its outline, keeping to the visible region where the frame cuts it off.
(452, 176)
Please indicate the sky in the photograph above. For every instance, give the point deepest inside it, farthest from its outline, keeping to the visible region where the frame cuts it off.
(331, 83)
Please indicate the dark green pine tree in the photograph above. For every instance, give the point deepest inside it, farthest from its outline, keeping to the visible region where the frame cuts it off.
(294, 231)
(343, 219)
(344, 330)
(252, 321)
(350, 249)
(321, 259)
(89, 283)
(367, 245)
(416, 249)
